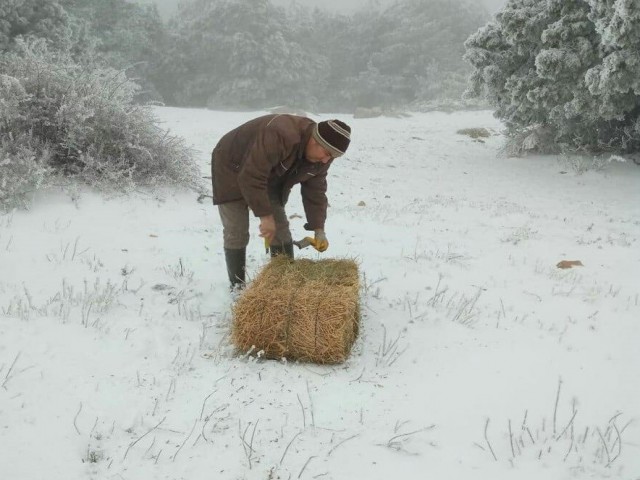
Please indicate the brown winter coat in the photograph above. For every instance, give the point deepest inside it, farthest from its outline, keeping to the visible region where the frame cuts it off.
(267, 153)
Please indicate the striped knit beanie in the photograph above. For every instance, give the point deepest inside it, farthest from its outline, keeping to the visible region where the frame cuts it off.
(333, 135)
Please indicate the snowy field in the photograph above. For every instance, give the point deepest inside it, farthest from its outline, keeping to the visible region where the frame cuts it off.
(478, 357)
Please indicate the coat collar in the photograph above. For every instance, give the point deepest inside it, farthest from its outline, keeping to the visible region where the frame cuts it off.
(305, 139)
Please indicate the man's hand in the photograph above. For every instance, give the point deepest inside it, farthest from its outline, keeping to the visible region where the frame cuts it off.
(267, 227)
(321, 243)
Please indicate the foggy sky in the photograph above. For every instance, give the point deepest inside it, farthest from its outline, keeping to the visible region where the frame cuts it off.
(167, 7)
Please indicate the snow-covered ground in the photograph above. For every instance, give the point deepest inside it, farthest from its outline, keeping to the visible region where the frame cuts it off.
(478, 358)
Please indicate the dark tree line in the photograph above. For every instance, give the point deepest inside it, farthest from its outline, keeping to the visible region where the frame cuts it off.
(251, 53)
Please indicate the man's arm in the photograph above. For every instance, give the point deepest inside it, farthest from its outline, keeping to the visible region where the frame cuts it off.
(314, 200)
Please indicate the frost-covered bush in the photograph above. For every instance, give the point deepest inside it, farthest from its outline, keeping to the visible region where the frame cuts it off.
(23, 159)
(84, 119)
(23, 170)
(571, 67)
(12, 96)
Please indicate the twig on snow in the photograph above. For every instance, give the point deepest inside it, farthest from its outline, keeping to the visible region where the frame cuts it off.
(140, 438)
(185, 441)
(486, 439)
(304, 417)
(342, 442)
(205, 401)
(555, 409)
(313, 421)
(513, 453)
(305, 465)
(245, 445)
(288, 445)
(7, 376)
(76, 418)
(393, 439)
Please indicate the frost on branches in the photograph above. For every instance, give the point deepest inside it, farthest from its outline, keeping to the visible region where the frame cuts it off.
(62, 118)
(564, 71)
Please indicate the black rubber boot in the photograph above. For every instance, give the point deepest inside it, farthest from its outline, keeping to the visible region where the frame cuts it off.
(236, 261)
(284, 249)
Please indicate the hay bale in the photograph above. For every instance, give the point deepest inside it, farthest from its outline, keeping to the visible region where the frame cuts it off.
(302, 310)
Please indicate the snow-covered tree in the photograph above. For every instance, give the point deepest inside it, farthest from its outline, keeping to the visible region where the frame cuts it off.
(615, 81)
(60, 117)
(544, 66)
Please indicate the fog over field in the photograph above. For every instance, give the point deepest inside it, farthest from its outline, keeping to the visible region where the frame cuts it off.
(167, 7)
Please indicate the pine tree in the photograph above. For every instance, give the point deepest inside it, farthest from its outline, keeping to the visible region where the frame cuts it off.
(564, 67)
(615, 82)
(568, 49)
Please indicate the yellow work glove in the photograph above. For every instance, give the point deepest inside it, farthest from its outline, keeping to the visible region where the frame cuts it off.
(320, 242)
